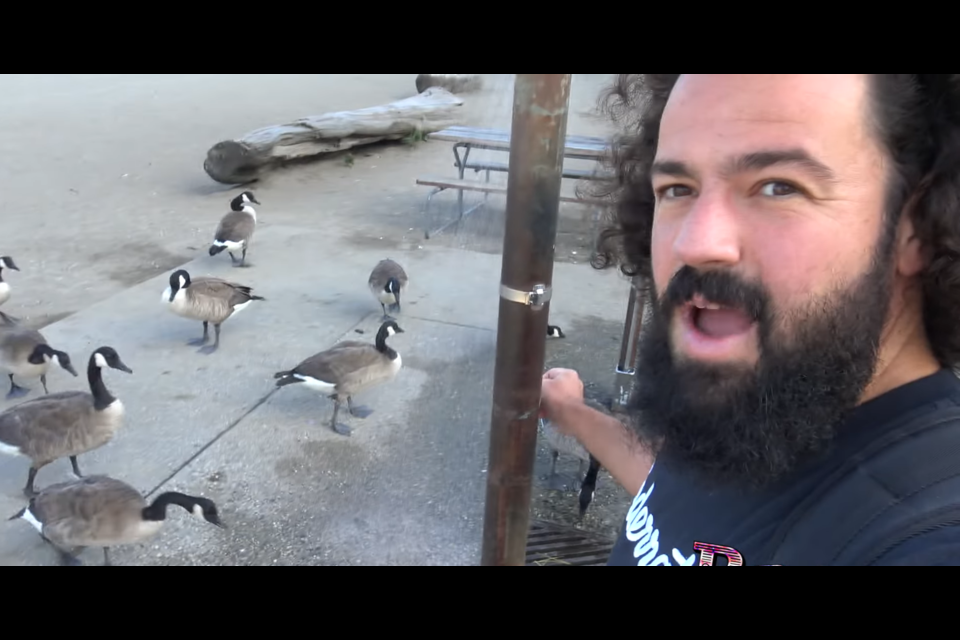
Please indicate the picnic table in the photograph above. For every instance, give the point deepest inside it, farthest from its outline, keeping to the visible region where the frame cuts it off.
(469, 138)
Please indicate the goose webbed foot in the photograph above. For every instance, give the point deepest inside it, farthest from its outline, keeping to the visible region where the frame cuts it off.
(201, 341)
(216, 344)
(360, 411)
(16, 391)
(339, 427)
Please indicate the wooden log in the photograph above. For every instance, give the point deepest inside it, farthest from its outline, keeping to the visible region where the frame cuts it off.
(244, 160)
(452, 82)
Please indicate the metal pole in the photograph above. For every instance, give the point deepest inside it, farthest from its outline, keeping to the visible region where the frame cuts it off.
(626, 368)
(537, 142)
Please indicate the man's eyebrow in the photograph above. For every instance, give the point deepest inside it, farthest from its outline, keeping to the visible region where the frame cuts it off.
(765, 159)
(672, 168)
(751, 162)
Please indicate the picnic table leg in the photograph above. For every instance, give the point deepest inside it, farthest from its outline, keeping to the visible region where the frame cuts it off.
(461, 167)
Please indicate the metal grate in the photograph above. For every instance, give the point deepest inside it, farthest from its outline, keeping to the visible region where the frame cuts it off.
(554, 545)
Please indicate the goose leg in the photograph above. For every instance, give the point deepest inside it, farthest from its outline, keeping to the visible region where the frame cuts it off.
(243, 258)
(216, 343)
(106, 557)
(76, 467)
(16, 391)
(70, 559)
(43, 381)
(339, 427)
(28, 490)
(203, 340)
(66, 559)
(233, 258)
(358, 412)
(385, 315)
(556, 482)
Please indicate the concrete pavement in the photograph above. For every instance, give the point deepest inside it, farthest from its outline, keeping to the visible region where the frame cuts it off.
(407, 489)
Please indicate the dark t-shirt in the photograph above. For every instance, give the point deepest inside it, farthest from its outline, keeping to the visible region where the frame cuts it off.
(672, 513)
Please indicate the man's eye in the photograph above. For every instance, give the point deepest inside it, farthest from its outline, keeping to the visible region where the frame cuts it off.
(778, 189)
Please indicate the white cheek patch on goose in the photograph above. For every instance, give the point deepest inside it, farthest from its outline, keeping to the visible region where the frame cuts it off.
(198, 511)
(100, 361)
(56, 360)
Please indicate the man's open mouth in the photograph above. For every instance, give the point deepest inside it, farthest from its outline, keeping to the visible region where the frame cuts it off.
(716, 321)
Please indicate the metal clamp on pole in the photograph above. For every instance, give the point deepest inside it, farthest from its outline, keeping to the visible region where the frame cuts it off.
(540, 295)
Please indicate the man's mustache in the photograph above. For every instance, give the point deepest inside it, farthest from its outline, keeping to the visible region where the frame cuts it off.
(719, 287)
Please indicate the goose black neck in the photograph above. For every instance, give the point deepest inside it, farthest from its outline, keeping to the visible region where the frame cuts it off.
(101, 396)
(157, 512)
(382, 345)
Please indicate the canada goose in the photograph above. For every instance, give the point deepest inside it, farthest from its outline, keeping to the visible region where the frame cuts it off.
(210, 300)
(25, 353)
(560, 443)
(64, 424)
(236, 228)
(6, 262)
(387, 281)
(102, 512)
(554, 331)
(346, 369)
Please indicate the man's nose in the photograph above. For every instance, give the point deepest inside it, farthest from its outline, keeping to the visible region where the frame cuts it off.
(709, 234)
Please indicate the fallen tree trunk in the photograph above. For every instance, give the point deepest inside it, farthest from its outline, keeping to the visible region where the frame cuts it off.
(244, 160)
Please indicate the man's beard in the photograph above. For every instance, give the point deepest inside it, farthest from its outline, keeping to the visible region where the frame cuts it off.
(751, 426)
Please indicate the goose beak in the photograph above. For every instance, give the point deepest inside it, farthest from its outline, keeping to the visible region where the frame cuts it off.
(254, 201)
(219, 524)
(122, 367)
(70, 368)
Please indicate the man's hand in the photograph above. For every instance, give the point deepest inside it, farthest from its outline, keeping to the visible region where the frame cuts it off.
(560, 389)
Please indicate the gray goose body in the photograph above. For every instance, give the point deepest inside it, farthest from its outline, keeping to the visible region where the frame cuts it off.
(347, 369)
(25, 353)
(6, 262)
(209, 300)
(387, 282)
(235, 231)
(65, 424)
(103, 512)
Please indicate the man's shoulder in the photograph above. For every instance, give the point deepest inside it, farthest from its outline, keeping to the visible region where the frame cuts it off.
(894, 489)
(937, 548)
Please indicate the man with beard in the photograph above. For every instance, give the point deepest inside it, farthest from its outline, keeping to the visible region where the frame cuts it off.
(795, 391)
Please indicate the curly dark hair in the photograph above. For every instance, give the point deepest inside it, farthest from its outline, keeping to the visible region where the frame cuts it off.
(916, 118)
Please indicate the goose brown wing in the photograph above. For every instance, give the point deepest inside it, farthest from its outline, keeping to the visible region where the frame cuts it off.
(231, 292)
(41, 427)
(77, 513)
(235, 226)
(341, 363)
(19, 341)
(385, 270)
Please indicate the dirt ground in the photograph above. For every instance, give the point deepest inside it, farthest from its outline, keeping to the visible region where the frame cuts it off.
(104, 188)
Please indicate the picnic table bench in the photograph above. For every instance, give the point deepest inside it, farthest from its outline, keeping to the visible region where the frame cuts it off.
(469, 138)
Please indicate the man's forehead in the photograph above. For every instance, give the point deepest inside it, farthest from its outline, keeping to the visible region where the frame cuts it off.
(733, 113)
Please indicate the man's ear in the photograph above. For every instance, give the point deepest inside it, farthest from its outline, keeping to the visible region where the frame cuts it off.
(912, 255)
